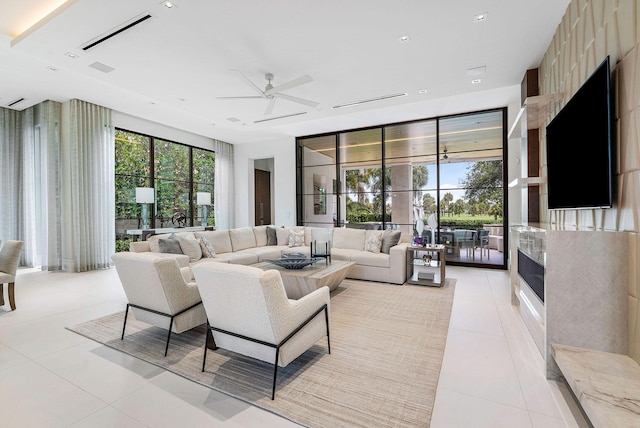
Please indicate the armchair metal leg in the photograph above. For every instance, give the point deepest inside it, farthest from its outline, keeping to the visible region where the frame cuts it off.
(166, 348)
(275, 375)
(126, 314)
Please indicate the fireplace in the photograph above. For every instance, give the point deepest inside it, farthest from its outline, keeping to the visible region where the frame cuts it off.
(532, 273)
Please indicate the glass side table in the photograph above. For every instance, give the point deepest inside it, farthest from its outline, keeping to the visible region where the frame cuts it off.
(426, 265)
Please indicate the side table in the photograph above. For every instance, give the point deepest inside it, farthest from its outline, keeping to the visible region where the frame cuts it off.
(426, 265)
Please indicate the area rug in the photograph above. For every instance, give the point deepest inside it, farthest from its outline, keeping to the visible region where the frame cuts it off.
(387, 344)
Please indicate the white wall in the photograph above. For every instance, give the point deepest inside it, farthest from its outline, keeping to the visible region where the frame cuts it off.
(283, 152)
(154, 129)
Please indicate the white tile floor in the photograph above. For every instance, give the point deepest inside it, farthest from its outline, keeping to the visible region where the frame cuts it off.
(492, 375)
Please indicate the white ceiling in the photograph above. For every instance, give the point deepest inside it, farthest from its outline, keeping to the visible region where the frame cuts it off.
(170, 68)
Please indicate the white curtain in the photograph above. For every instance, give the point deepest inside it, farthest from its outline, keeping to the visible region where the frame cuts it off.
(11, 186)
(224, 202)
(88, 190)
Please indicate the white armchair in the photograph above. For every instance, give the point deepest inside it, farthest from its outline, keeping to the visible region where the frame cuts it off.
(158, 291)
(9, 259)
(249, 313)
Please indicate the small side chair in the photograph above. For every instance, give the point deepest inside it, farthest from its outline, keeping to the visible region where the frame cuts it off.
(9, 258)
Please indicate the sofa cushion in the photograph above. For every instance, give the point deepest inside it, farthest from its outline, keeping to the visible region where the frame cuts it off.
(373, 241)
(282, 234)
(190, 246)
(154, 246)
(343, 254)
(366, 258)
(242, 238)
(260, 232)
(349, 239)
(220, 240)
(170, 245)
(265, 253)
(272, 236)
(205, 246)
(239, 258)
(389, 239)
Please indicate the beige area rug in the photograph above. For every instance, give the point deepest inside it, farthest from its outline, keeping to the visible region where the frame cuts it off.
(387, 344)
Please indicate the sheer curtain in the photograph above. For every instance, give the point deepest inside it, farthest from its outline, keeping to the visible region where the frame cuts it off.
(224, 188)
(88, 191)
(11, 185)
(40, 175)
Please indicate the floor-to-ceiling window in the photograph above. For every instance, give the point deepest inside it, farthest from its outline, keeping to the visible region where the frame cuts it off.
(175, 171)
(448, 171)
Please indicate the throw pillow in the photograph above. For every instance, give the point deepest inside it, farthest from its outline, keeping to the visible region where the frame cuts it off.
(272, 237)
(373, 242)
(296, 238)
(190, 246)
(170, 244)
(389, 239)
(206, 246)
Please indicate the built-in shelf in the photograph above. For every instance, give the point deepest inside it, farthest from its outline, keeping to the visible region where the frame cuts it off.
(521, 183)
(536, 110)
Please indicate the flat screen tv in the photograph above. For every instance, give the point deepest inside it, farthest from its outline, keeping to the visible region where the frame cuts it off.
(580, 147)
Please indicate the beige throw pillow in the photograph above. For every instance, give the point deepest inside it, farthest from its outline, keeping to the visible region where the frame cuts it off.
(190, 246)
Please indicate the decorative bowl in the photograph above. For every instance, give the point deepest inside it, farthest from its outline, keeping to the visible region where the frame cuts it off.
(294, 256)
(292, 263)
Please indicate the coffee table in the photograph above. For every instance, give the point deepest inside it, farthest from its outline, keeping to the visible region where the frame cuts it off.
(300, 282)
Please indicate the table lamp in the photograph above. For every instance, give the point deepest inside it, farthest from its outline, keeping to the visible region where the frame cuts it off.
(203, 199)
(145, 196)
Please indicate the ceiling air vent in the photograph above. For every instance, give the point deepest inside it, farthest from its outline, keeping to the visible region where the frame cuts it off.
(280, 117)
(14, 102)
(115, 31)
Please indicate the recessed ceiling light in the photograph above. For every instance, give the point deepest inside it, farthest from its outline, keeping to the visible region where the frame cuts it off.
(481, 17)
(52, 68)
(422, 91)
(71, 55)
(403, 38)
(476, 81)
(168, 4)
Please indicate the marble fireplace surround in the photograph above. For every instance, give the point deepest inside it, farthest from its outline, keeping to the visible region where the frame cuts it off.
(589, 325)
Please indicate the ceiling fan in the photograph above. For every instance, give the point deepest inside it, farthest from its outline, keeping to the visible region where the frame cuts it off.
(272, 93)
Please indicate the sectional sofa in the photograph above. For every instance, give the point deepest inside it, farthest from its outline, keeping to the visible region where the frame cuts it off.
(378, 255)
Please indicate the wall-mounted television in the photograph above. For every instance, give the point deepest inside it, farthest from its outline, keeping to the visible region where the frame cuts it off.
(580, 147)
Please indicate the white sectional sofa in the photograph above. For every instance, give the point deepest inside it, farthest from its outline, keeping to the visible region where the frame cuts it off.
(249, 245)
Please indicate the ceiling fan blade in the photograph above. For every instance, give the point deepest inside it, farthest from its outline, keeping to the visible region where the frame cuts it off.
(272, 103)
(241, 98)
(297, 100)
(290, 84)
(253, 85)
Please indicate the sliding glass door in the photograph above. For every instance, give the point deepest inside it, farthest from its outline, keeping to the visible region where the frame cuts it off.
(448, 171)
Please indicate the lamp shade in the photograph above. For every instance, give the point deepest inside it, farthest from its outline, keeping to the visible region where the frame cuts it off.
(203, 198)
(145, 195)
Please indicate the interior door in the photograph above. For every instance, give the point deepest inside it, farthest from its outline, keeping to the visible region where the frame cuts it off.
(262, 197)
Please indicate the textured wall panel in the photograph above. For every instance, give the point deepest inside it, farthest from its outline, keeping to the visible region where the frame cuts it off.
(634, 331)
(589, 31)
(629, 131)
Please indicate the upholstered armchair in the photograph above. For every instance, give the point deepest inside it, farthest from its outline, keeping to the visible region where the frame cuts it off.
(9, 258)
(249, 313)
(159, 292)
